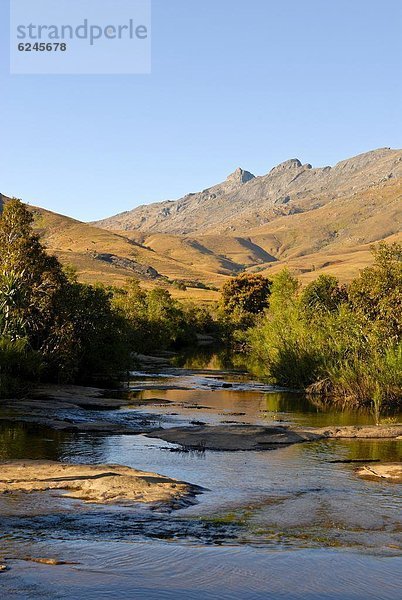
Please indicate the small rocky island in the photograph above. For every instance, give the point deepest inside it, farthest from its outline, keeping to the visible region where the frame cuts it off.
(99, 484)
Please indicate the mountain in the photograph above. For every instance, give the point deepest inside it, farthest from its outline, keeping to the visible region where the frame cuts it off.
(244, 201)
(171, 217)
(312, 220)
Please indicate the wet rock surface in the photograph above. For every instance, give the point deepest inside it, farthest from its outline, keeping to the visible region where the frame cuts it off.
(77, 408)
(253, 437)
(376, 432)
(233, 437)
(100, 484)
(93, 410)
(387, 471)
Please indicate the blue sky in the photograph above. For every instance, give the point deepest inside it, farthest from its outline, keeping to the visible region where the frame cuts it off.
(233, 84)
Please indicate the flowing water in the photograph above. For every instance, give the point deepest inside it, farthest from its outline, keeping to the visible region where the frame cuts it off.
(292, 523)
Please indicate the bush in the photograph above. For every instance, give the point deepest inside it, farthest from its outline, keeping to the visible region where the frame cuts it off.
(88, 338)
(154, 320)
(18, 366)
(345, 345)
(323, 295)
(243, 297)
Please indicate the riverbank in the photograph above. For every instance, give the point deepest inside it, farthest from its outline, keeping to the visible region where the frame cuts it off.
(90, 410)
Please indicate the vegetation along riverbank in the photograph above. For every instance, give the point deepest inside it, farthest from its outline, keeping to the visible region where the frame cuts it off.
(341, 343)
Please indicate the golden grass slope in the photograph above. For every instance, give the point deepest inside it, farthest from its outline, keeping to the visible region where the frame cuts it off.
(325, 235)
(80, 245)
(336, 236)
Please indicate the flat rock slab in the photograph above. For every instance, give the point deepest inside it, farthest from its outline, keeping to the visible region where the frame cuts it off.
(73, 408)
(77, 395)
(385, 471)
(104, 427)
(233, 437)
(255, 437)
(70, 425)
(150, 402)
(99, 484)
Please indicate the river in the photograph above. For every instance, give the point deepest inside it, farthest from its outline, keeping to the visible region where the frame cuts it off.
(292, 523)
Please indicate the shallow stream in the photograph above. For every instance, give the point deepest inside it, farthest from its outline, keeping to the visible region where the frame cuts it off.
(290, 523)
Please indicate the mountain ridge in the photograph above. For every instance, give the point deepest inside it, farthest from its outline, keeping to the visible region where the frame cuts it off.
(287, 188)
(311, 220)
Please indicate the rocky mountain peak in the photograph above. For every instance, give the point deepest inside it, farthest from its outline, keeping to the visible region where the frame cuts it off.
(240, 176)
(288, 165)
(243, 201)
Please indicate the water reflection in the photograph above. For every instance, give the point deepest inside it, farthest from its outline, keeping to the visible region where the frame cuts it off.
(236, 367)
(34, 442)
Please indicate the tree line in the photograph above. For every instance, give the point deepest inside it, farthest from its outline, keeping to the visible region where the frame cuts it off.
(341, 342)
(54, 328)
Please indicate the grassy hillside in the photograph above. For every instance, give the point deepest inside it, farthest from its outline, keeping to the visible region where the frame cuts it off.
(111, 258)
(334, 237)
(337, 236)
(326, 234)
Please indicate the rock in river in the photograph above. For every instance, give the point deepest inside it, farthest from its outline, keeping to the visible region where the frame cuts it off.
(258, 437)
(385, 471)
(100, 484)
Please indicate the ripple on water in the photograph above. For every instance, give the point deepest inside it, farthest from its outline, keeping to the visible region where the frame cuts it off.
(169, 571)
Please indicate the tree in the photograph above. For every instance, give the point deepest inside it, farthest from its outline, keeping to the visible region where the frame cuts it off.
(88, 336)
(346, 349)
(70, 326)
(284, 291)
(246, 293)
(377, 292)
(323, 295)
(30, 279)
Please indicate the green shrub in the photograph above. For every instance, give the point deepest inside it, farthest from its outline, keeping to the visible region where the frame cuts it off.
(154, 320)
(342, 344)
(18, 366)
(245, 295)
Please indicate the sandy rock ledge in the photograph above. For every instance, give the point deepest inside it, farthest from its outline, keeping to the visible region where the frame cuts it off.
(100, 484)
(385, 471)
